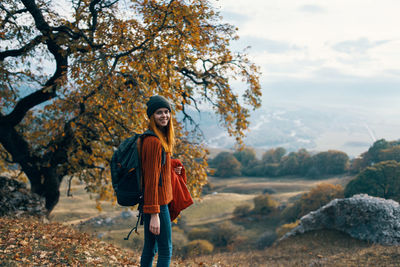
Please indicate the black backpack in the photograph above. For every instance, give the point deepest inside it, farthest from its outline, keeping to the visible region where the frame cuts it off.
(126, 172)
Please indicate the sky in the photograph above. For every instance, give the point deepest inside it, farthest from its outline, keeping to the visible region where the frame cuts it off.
(334, 54)
(348, 46)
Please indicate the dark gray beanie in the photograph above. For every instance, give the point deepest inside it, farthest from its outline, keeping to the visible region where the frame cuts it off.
(156, 102)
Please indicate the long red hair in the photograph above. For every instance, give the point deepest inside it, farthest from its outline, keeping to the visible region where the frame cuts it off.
(166, 135)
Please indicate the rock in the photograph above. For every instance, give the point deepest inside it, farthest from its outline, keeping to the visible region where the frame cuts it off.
(363, 217)
(16, 200)
(127, 214)
(99, 221)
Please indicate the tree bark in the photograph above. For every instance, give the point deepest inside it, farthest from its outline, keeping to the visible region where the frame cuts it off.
(44, 180)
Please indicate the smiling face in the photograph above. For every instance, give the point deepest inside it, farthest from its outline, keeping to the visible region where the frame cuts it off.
(162, 117)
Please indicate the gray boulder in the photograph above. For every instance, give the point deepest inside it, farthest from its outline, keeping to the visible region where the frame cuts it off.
(363, 217)
(16, 200)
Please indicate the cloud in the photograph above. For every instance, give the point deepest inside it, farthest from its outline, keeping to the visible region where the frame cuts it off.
(361, 45)
(235, 18)
(271, 46)
(311, 9)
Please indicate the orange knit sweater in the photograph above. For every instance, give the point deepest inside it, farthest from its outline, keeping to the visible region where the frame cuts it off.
(154, 194)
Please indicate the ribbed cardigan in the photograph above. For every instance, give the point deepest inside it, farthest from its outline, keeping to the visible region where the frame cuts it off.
(154, 193)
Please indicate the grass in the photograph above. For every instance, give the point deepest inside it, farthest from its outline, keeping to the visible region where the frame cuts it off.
(318, 248)
(214, 208)
(285, 187)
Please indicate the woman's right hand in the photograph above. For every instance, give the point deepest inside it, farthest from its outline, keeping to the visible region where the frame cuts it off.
(178, 170)
(154, 224)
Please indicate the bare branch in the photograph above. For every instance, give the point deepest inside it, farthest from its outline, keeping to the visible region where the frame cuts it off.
(10, 14)
(19, 52)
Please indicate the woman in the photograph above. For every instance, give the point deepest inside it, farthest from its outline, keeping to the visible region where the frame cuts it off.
(156, 167)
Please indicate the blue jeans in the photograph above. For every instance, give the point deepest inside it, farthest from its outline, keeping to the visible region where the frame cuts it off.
(162, 241)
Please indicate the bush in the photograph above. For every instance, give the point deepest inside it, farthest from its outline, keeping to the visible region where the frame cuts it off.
(242, 210)
(223, 234)
(179, 241)
(380, 180)
(291, 212)
(266, 239)
(318, 196)
(264, 204)
(283, 229)
(200, 233)
(198, 247)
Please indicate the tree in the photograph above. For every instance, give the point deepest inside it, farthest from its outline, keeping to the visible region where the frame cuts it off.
(380, 180)
(227, 165)
(289, 164)
(246, 157)
(331, 162)
(392, 153)
(273, 155)
(381, 150)
(75, 80)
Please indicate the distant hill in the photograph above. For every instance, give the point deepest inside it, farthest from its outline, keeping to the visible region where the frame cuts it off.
(315, 129)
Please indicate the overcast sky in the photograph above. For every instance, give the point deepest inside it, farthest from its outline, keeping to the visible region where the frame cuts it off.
(334, 53)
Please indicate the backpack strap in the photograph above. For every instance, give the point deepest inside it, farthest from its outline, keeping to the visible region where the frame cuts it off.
(140, 218)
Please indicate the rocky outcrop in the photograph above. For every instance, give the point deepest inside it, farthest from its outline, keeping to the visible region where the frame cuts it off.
(17, 200)
(363, 217)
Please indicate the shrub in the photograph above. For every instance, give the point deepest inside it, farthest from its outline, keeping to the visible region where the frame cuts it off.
(198, 247)
(283, 229)
(291, 212)
(223, 234)
(238, 242)
(266, 239)
(242, 210)
(264, 204)
(179, 241)
(318, 196)
(200, 233)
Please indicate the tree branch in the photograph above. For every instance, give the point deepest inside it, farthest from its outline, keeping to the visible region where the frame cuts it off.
(19, 52)
(24, 105)
(10, 14)
(50, 87)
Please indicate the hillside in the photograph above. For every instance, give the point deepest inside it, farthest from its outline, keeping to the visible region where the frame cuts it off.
(27, 242)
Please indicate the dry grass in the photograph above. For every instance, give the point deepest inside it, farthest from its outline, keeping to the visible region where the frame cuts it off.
(214, 207)
(318, 248)
(285, 187)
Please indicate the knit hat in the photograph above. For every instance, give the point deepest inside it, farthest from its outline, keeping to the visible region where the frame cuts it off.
(156, 102)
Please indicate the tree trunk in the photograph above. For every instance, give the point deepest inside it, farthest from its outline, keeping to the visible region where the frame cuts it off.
(44, 180)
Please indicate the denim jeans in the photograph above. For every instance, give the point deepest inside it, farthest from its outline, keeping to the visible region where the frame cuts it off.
(162, 242)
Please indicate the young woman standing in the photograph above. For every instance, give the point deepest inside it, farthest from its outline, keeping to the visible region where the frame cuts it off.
(156, 167)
